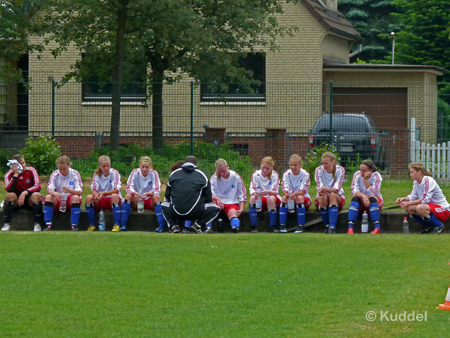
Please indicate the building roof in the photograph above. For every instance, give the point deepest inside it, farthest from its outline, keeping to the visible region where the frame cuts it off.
(332, 20)
(386, 68)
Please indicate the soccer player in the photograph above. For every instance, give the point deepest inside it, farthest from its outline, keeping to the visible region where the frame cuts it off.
(229, 193)
(22, 190)
(366, 186)
(106, 194)
(295, 186)
(145, 181)
(67, 181)
(330, 197)
(426, 202)
(265, 185)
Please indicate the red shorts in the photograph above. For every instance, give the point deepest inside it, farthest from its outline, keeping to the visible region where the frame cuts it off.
(105, 204)
(147, 204)
(441, 213)
(264, 202)
(316, 203)
(58, 203)
(307, 202)
(363, 207)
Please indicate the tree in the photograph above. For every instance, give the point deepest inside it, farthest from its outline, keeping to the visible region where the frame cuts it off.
(173, 36)
(372, 19)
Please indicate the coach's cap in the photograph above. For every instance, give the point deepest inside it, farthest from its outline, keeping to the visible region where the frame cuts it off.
(191, 159)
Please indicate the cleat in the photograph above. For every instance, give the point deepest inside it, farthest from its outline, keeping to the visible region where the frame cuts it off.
(6, 227)
(425, 230)
(160, 228)
(235, 229)
(283, 229)
(37, 227)
(438, 230)
(48, 228)
(376, 232)
(254, 229)
(350, 231)
(197, 228)
(186, 231)
(331, 230)
(115, 228)
(300, 229)
(327, 228)
(91, 228)
(123, 228)
(275, 229)
(209, 230)
(74, 228)
(175, 229)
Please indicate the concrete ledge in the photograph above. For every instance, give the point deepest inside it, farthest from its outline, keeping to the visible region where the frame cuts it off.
(391, 222)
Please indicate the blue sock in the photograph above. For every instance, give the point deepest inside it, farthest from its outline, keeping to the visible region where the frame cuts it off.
(159, 215)
(324, 214)
(48, 212)
(353, 212)
(273, 217)
(187, 224)
(234, 222)
(283, 213)
(333, 215)
(126, 209)
(301, 213)
(419, 219)
(90, 211)
(116, 213)
(432, 220)
(253, 215)
(75, 214)
(374, 210)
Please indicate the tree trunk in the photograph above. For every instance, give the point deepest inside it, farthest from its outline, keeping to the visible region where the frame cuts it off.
(157, 111)
(122, 12)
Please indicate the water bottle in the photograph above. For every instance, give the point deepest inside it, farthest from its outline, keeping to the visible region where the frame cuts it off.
(140, 205)
(63, 204)
(101, 220)
(405, 226)
(291, 204)
(258, 203)
(220, 225)
(365, 223)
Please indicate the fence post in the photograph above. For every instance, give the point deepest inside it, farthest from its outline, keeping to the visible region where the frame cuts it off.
(422, 154)
(413, 137)
(53, 108)
(417, 154)
(192, 118)
(438, 163)
(331, 113)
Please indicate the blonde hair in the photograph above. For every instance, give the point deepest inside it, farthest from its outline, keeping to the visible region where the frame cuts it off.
(63, 160)
(419, 167)
(369, 164)
(269, 160)
(101, 159)
(220, 163)
(145, 159)
(331, 157)
(296, 157)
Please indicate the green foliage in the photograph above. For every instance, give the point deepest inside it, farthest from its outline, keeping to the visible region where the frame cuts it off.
(41, 153)
(353, 165)
(443, 116)
(5, 156)
(314, 157)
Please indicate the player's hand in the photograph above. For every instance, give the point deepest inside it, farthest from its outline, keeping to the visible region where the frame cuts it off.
(239, 212)
(100, 196)
(15, 169)
(57, 195)
(220, 203)
(367, 175)
(404, 204)
(286, 194)
(65, 189)
(399, 200)
(366, 201)
(21, 200)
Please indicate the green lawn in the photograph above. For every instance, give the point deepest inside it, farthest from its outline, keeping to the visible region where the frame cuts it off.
(64, 284)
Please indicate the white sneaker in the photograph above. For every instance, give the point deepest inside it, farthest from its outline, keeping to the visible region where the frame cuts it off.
(37, 227)
(6, 227)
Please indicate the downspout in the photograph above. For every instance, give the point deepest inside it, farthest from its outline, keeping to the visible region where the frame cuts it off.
(356, 52)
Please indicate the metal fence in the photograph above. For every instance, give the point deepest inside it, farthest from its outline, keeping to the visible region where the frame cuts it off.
(276, 119)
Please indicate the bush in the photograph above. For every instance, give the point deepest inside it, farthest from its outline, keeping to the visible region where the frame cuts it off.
(41, 153)
(314, 157)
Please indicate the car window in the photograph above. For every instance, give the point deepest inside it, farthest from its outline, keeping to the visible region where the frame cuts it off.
(345, 124)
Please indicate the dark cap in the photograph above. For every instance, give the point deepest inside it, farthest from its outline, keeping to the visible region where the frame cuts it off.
(191, 159)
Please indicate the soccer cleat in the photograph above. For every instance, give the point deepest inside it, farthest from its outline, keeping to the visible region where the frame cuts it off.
(331, 230)
(160, 228)
(376, 232)
(327, 228)
(235, 229)
(116, 228)
(426, 230)
(74, 228)
(254, 229)
(350, 231)
(6, 227)
(197, 228)
(300, 229)
(283, 229)
(185, 231)
(175, 229)
(275, 229)
(37, 227)
(123, 228)
(208, 230)
(48, 228)
(438, 230)
(91, 228)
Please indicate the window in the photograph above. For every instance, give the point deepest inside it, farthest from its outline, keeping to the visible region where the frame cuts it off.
(95, 88)
(241, 149)
(240, 91)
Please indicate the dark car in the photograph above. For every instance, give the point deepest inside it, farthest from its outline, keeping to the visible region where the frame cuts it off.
(352, 134)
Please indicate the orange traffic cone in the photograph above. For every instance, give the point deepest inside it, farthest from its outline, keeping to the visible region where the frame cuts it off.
(446, 305)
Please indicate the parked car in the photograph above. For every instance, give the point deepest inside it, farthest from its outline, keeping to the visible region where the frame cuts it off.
(353, 134)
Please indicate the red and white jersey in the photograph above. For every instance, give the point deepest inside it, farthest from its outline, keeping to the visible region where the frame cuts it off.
(261, 183)
(149, 183)
(326, 180)
(296, 183)
(27, 180)
(428, 191)
(107, 183)
(358, 184)
(72, 181)
(231, 190)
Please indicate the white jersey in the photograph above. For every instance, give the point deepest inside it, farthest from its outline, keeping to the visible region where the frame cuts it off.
(260, 183)
(72, 181)
(231, 190)
(296, 183)
(149, 183)
(107, 183)
(428, 191)
(375, 180)
(326, 180)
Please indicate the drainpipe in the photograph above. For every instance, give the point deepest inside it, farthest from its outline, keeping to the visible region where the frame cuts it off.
(356, 52)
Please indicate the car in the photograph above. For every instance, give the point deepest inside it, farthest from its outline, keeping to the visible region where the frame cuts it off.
(352, 134)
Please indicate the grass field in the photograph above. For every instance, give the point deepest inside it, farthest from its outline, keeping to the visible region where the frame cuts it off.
(64, 284)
